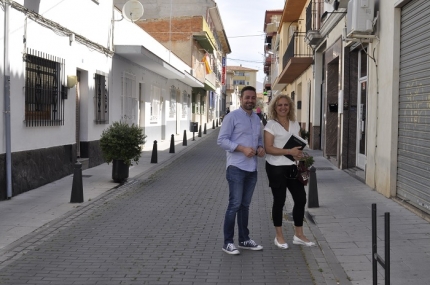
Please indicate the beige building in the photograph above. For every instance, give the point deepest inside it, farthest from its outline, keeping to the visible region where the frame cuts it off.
(193, 31)
(358, 72)
(239, 77)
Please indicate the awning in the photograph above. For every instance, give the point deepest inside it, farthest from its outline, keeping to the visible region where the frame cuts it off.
(191, 80)
(145, 58)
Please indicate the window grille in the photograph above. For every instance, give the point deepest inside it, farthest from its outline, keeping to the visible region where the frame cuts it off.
(184, 104)
(172, 106)
(155, 103)
(129, 102)
(101, 99)
(44, 89)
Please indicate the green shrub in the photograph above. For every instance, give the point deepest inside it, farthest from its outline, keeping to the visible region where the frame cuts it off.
(121, 141)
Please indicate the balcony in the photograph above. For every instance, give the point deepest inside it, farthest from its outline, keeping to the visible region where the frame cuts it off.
(313, 23)
(267, 82)
(297, 58)
(210, 82)
(292, 10)
(199, 71)
(205, 38)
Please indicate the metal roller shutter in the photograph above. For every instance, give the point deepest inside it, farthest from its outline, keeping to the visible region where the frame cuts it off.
(413, 173)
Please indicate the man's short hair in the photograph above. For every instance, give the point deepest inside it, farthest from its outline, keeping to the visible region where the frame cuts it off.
(247, 88)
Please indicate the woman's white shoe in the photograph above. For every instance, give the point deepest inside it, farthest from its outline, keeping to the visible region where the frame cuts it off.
(296, 240)
(281, 246)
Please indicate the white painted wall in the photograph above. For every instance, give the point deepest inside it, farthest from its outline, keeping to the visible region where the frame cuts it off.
(88, 19)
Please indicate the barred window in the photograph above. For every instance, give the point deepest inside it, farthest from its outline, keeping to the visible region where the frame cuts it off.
(129, 102)
(44, 90)
(185, 105)
(172, 106)
(101, 99)
(155, 103)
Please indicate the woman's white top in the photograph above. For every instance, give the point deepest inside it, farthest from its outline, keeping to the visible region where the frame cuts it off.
(281, 137)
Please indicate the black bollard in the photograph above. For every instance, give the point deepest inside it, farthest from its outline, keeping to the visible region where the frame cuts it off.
(217, 123)
(77, 188)
(184, 141)
(193, 136)
(200, 131)
(204, 131)
(172, 144)
(213, 124)
(313, 189)
(154, 158)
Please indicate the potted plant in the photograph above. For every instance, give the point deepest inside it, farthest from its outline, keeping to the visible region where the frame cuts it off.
(304, 134)
(121, 144)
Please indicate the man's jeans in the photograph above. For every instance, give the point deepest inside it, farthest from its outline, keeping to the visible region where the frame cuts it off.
(241, 185)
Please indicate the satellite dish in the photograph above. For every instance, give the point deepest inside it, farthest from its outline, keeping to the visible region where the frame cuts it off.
(132, 10)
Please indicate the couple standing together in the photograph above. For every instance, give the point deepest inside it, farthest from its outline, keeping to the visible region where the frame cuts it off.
(240, 136)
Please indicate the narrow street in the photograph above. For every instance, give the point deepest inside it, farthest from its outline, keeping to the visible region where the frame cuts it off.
(163, 230)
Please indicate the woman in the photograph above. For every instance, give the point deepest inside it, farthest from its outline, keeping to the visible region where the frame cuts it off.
(281, 170)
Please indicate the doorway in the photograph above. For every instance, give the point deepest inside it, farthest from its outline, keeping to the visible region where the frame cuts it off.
(362, 110)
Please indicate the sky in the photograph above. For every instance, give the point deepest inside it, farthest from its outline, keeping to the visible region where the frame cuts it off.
(243, 22)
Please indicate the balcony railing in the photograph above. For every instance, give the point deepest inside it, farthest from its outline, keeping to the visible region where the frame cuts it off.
(297, 58)
(296, 48)
(199, 71)
(313, 22)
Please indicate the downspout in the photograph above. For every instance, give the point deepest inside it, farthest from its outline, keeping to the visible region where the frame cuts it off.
(6, 84)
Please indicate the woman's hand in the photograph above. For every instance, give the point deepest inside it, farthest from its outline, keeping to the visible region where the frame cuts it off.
(296, 152)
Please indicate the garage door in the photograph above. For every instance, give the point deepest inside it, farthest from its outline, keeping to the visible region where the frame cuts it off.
(413, 173)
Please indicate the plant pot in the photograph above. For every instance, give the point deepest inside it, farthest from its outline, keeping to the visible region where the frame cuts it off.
(120, 171)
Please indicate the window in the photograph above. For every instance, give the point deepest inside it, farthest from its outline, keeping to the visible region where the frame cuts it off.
(184, 104)
(155, 103)
(238, 82)
(101, 99)
(129, 106)
(240, 73)
(172, 105)
(44, 90)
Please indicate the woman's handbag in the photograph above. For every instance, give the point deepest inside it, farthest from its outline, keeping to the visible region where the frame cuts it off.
(303, 173)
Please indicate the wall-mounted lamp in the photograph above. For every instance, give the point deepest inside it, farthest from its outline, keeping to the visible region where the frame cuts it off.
(336, 5)
(71, 81)
(71, 38)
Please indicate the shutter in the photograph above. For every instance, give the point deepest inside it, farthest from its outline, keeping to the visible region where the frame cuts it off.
(413, 170)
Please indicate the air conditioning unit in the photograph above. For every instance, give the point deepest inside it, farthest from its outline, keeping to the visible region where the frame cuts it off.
(360, 17)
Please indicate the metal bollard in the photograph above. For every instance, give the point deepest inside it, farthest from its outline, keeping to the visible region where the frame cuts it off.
(213, 124)
(200, 131)
(172, 144)
(204, 131)
(154, 158)
(184, 141)
(77, 188)
(313, 189)
(217, 123)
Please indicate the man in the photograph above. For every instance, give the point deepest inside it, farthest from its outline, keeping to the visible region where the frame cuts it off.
(240, 136)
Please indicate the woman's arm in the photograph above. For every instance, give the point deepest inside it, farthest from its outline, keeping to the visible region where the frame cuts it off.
(271, 149)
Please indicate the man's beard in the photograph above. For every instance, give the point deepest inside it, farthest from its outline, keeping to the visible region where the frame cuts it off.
(248, 106)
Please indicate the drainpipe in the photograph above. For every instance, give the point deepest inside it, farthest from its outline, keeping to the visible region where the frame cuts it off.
(6, 83)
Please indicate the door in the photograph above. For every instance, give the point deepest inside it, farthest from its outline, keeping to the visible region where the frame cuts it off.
(361, 123)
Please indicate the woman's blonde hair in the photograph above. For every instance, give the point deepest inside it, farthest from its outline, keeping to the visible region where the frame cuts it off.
(272, 107)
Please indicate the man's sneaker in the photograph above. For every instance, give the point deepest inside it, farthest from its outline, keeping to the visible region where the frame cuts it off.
(250, 244)
(230, 249)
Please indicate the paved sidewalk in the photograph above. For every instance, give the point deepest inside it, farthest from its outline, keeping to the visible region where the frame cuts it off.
(171, 223)
(344, 227)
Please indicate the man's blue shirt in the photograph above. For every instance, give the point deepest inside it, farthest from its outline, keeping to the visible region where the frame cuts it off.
(239, 128)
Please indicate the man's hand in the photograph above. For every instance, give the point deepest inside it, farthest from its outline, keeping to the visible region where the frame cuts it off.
(261, 152)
